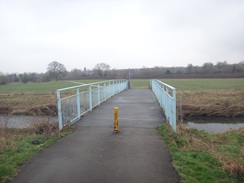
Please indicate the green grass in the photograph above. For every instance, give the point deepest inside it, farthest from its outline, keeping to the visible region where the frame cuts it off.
(18, 150)
(179, 84)
(205, 84)
(38, 88)
(196, 154)
(33, 88)
(195, 84)
(140, 83)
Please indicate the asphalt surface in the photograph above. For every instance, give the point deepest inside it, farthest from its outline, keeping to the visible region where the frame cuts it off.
(94, 154)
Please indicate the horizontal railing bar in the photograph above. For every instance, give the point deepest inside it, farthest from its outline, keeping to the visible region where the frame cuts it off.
(166, 85)
(90, 84)
(67, 97)
(73, 120)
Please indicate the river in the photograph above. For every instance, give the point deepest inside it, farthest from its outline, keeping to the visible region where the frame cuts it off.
(216, 124)
(207, 124)
(22, 121)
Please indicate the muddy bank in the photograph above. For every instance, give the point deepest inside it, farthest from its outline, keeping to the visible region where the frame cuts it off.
(44, 110)
(28, 104)
(196, 110)
(186, 111)
(223, 103)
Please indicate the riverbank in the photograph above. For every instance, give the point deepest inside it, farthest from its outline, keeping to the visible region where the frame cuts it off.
(28, 104)
(199, 156)
(221, 103)
(195, 97)
(190, 104)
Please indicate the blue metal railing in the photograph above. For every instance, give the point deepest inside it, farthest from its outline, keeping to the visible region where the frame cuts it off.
(166, 96)
(84, 98)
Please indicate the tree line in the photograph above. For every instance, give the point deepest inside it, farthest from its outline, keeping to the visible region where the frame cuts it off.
(57, 71)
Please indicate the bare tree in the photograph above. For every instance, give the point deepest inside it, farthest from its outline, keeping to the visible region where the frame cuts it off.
(3, 79)
(189, 68)
(56, 70)
(208, 67)
(74, 74)
(102, 69)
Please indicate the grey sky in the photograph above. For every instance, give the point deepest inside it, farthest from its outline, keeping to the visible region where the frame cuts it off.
(123, 34)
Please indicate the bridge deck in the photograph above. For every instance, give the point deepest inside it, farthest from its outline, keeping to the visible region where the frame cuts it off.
(93, 153)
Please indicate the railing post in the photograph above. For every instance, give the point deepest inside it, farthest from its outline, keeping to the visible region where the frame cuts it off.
(120, 86)
(90, 97)
(174, 110)
(59, 111)
(78, 101)
(113, 88)
(98, 94)
(105, 91)
(108, 90)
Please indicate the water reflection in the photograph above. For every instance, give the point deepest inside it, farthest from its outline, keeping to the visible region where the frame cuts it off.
(22, 121)
(215, 127)
(216, 124)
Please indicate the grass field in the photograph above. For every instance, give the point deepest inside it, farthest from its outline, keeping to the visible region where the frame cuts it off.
(195, 84)
(195, 97)
(38, 88)
(205, 84)
(179, 84)
(199, 156)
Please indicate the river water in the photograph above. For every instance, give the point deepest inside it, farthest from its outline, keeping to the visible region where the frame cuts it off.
(22, 121)
(207, 124)
(215, 127)
(216, 124)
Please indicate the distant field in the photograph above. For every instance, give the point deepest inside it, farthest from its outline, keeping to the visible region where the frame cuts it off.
(195, 84)
(179, 84)
(205, 84)
(140, 83)
(38, 88)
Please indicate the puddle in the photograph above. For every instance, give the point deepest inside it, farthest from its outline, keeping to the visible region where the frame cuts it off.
(217, 124)
(22, 121)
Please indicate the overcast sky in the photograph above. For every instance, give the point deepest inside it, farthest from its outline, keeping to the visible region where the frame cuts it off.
(121, 33)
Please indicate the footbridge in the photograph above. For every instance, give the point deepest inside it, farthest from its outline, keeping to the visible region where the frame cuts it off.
(93, 152)
(89, 96)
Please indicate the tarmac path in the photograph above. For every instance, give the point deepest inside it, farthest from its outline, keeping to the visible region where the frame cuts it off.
(94, 154)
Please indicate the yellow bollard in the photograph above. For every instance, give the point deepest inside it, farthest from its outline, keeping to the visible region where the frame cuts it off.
(116, 119)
